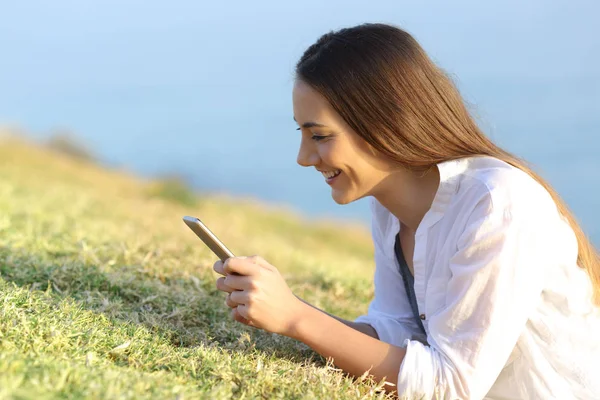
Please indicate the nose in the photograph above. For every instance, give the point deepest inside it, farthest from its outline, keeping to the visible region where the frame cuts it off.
(307, 155)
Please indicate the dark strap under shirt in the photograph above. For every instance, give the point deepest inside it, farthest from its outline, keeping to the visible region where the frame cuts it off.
(409, 282)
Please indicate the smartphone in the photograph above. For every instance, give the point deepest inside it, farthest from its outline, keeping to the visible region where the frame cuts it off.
(209, 238)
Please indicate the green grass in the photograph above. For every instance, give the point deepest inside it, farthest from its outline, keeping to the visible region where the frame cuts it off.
(104, 293)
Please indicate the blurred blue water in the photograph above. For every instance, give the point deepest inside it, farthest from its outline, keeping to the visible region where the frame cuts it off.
(204, 91)
(257, 156)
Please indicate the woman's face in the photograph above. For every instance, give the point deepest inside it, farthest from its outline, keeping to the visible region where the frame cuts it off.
(345, 161)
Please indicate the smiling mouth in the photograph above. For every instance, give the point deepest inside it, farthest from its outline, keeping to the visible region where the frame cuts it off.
(331, 175)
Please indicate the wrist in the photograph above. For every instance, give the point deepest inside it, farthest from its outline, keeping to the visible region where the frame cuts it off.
(299, 317)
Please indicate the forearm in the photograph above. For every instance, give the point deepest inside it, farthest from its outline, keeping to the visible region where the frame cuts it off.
(361, 327)
(351, 350)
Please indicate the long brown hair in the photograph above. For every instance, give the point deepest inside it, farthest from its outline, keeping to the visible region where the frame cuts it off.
(379, 79)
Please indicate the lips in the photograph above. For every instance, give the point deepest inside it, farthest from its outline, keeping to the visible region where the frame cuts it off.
(331, 176)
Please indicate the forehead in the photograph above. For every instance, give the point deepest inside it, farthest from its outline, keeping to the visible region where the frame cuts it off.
(310, 105)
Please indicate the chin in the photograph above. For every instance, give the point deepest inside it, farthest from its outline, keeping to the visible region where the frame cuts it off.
(342, 197)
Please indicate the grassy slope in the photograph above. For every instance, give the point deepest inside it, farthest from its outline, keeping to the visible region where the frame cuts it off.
(104, 293)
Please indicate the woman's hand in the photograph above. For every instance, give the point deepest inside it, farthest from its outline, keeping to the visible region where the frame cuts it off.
(258, 294)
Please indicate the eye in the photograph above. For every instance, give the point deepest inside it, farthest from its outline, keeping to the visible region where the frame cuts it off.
(318, 137)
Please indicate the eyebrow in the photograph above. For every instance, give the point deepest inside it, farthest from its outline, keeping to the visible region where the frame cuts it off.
(311, 125)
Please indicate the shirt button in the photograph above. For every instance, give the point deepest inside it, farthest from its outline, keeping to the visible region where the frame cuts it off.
(422, 316)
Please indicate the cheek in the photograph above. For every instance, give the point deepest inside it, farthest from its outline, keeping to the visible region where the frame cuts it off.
(329, 153)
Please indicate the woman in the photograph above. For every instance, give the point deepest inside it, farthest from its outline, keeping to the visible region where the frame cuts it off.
(485, 285)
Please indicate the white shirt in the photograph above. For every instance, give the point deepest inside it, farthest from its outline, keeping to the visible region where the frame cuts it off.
(507, 312)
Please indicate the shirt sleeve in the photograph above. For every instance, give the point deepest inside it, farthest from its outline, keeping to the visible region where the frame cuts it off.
(389, 312)
(496, 282)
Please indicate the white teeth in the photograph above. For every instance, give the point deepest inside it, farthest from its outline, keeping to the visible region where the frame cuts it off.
(330, 174)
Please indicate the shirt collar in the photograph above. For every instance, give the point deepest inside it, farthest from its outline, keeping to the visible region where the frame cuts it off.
(450, 172)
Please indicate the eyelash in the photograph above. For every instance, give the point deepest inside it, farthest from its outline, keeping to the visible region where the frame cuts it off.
(316, 137)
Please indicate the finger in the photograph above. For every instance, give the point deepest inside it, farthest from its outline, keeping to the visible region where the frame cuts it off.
(230, 303)
(218, 267)
(239, 318)
(244, 311)
(223, 286)
(238, 282)
(240, 265)
(258, 260)
(263, 263)
(239, 296)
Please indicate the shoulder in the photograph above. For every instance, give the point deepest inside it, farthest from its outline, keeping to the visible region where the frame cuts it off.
(502, 188)
(495, 199)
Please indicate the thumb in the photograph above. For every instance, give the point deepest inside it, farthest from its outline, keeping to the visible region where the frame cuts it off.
(240, 266)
